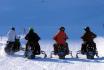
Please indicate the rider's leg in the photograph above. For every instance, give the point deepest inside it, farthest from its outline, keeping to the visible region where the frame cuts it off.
(67, 48)
(83, 48)
(55, 48)
(26, 49)
(37, 48)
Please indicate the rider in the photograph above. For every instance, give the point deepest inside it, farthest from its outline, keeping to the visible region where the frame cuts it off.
(32, 40)
(60, 39)
(87, 38)
(11, 38)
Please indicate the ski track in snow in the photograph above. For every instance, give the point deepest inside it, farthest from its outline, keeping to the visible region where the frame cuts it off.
(18, 62)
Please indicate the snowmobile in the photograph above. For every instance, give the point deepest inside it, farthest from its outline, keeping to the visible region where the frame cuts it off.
(29, 53)
(61, 51)
(11, 47)
(89, 50)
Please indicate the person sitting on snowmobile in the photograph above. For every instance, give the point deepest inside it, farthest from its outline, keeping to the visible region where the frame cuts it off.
(32, 41)
(88, 39)
(11, 39)
(60, 39)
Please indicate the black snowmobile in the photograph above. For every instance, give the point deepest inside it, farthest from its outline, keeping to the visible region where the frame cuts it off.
(12, 47)
(61, 51)
(88, 49)
(30, 52)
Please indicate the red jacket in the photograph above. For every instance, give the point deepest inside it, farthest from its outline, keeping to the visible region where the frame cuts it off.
(61, 37)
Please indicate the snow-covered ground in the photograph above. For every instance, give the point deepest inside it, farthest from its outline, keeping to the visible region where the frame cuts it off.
(18, 62)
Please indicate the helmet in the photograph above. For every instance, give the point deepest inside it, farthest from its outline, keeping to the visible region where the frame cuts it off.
(87, 29)
(12, 28)
(31, 29)
(62, 28)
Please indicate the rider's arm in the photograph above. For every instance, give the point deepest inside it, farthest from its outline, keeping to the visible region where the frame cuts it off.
(26, 37)
(94, 35)
(66, 36)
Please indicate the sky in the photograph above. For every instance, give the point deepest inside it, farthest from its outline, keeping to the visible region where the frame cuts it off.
(46, 16)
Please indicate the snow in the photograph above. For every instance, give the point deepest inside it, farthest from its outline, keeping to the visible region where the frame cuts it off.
(18, 62)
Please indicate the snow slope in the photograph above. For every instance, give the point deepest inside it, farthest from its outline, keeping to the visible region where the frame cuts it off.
(18, 62)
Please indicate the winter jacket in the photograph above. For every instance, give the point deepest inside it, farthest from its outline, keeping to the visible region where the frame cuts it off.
(61, 37)
(88, 36)
(32, 37)
(11, 36)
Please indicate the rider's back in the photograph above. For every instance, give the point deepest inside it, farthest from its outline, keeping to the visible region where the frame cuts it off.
(11, 36)
(88, 36)
(32, 37)
(61, 37)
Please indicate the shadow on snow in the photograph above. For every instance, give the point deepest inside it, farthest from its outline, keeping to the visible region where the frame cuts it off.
(66, 60)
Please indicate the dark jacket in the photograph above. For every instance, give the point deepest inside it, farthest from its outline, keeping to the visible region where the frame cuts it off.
(88, 36)
(32, 37)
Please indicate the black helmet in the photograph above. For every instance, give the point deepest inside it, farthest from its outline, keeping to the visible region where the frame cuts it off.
(12, 28)
(87, 29)
(62, 28)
